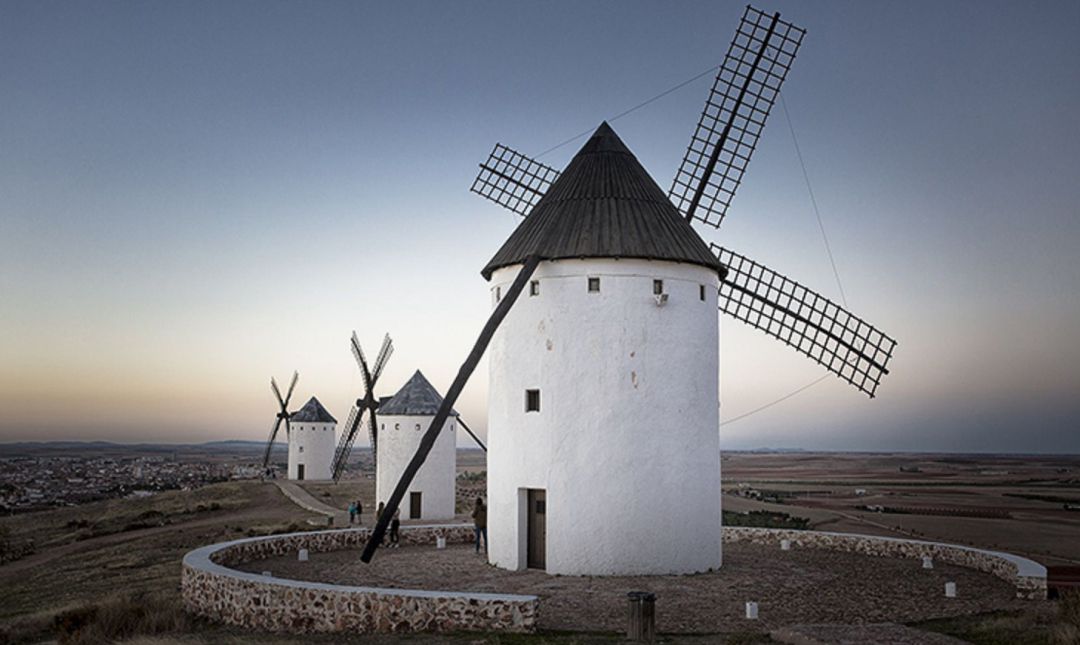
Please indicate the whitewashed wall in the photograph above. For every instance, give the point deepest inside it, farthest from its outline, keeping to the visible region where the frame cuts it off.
(626, 442)
(313, 445)
(399, 439)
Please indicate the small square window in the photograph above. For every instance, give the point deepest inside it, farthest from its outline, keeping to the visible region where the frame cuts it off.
(594, 285)
(657, 287)
(701, 292)
(532, 400)
(534, 288)
(301, 449)
(418, 427)
(397, 426)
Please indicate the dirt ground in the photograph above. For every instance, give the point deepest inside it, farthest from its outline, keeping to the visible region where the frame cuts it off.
(798, 586)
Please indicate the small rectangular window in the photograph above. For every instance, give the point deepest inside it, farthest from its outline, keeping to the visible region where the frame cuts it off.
(701, 292)
(657, 287)
(532, 400)
(594, 285)
(498, 294)
(534, 288)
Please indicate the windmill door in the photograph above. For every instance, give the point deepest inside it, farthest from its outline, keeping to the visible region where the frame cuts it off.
(414, 506)
(300, 472)
(537, 530)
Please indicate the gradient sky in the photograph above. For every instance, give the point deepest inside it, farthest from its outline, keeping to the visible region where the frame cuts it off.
(196, 196)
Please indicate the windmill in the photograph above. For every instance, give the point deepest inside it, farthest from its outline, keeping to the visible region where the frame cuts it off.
(365, 406)
(282, 415)
(742, 95)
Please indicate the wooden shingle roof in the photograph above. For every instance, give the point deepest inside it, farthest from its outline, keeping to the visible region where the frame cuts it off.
(312, 412)
(417, 397)
(604, 205)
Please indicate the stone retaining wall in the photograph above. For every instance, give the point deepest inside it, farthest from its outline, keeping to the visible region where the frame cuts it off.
(1028, 576)
(209, 588)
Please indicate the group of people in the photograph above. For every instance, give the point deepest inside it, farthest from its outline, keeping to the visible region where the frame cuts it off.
(356, 512)
(479, 518)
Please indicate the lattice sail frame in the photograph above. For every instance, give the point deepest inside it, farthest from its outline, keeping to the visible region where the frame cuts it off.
(743, 94)
(513, 180)
(813, 325)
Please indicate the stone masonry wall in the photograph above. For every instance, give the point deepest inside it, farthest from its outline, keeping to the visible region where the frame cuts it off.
(1028, 576)
(211, 589)
(249, 600)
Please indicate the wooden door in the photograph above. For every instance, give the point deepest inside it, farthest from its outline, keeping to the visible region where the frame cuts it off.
(300, 472)
(414, 506)
(537, 530)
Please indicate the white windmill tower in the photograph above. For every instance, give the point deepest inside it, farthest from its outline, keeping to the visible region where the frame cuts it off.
(403, 419)
(603, 411)
(311, 442)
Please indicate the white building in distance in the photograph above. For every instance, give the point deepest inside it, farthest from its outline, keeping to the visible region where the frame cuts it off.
(603, 419)
(403, 420)
(312, 440)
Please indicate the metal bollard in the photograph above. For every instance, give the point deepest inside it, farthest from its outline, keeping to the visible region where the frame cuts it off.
(641, 617)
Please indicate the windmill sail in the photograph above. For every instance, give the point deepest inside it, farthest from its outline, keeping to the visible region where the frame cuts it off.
(742, 95)
(283, 415)
(843, 343)
(512, 180)
(365, 406)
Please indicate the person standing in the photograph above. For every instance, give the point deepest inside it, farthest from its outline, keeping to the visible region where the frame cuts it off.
(479, 516)
(395, 524)
(378, 516)
(352, 512)
(359, 513)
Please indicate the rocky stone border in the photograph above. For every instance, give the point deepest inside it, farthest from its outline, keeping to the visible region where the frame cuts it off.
(210, 588)
(1028, 576)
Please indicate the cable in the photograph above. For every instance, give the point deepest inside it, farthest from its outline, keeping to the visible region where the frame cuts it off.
(817, 213)
(828, 250)
(633, 109)
(780, 400)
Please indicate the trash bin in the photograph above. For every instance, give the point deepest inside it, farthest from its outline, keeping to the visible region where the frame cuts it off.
(641, 617)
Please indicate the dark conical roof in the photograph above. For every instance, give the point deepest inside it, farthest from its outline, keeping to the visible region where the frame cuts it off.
(416, 398)
(604, 205)
(312, 412)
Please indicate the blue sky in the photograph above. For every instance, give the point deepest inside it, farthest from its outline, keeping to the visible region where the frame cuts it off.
(196, 196)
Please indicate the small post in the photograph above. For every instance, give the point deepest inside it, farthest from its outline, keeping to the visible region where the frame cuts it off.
(751, 610)
(785, 545)
(440, 542)
(267, 573)
(302, 556)
(641, 617)
(950, 589)
(927, 562)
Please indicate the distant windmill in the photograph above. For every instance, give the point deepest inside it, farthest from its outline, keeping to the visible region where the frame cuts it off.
(365, 406)
(604, 212)
(282, 415)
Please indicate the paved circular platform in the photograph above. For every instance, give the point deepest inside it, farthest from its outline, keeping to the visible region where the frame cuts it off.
(797, 586)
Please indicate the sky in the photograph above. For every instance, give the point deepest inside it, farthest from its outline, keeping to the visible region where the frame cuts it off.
(197, 196)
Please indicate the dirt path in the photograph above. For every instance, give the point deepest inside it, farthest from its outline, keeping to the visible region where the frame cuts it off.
(309, 502)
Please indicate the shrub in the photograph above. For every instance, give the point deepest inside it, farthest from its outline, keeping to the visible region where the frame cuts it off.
(120, 618)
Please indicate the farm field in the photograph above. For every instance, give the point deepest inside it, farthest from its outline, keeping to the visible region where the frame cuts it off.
(1011, 503)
